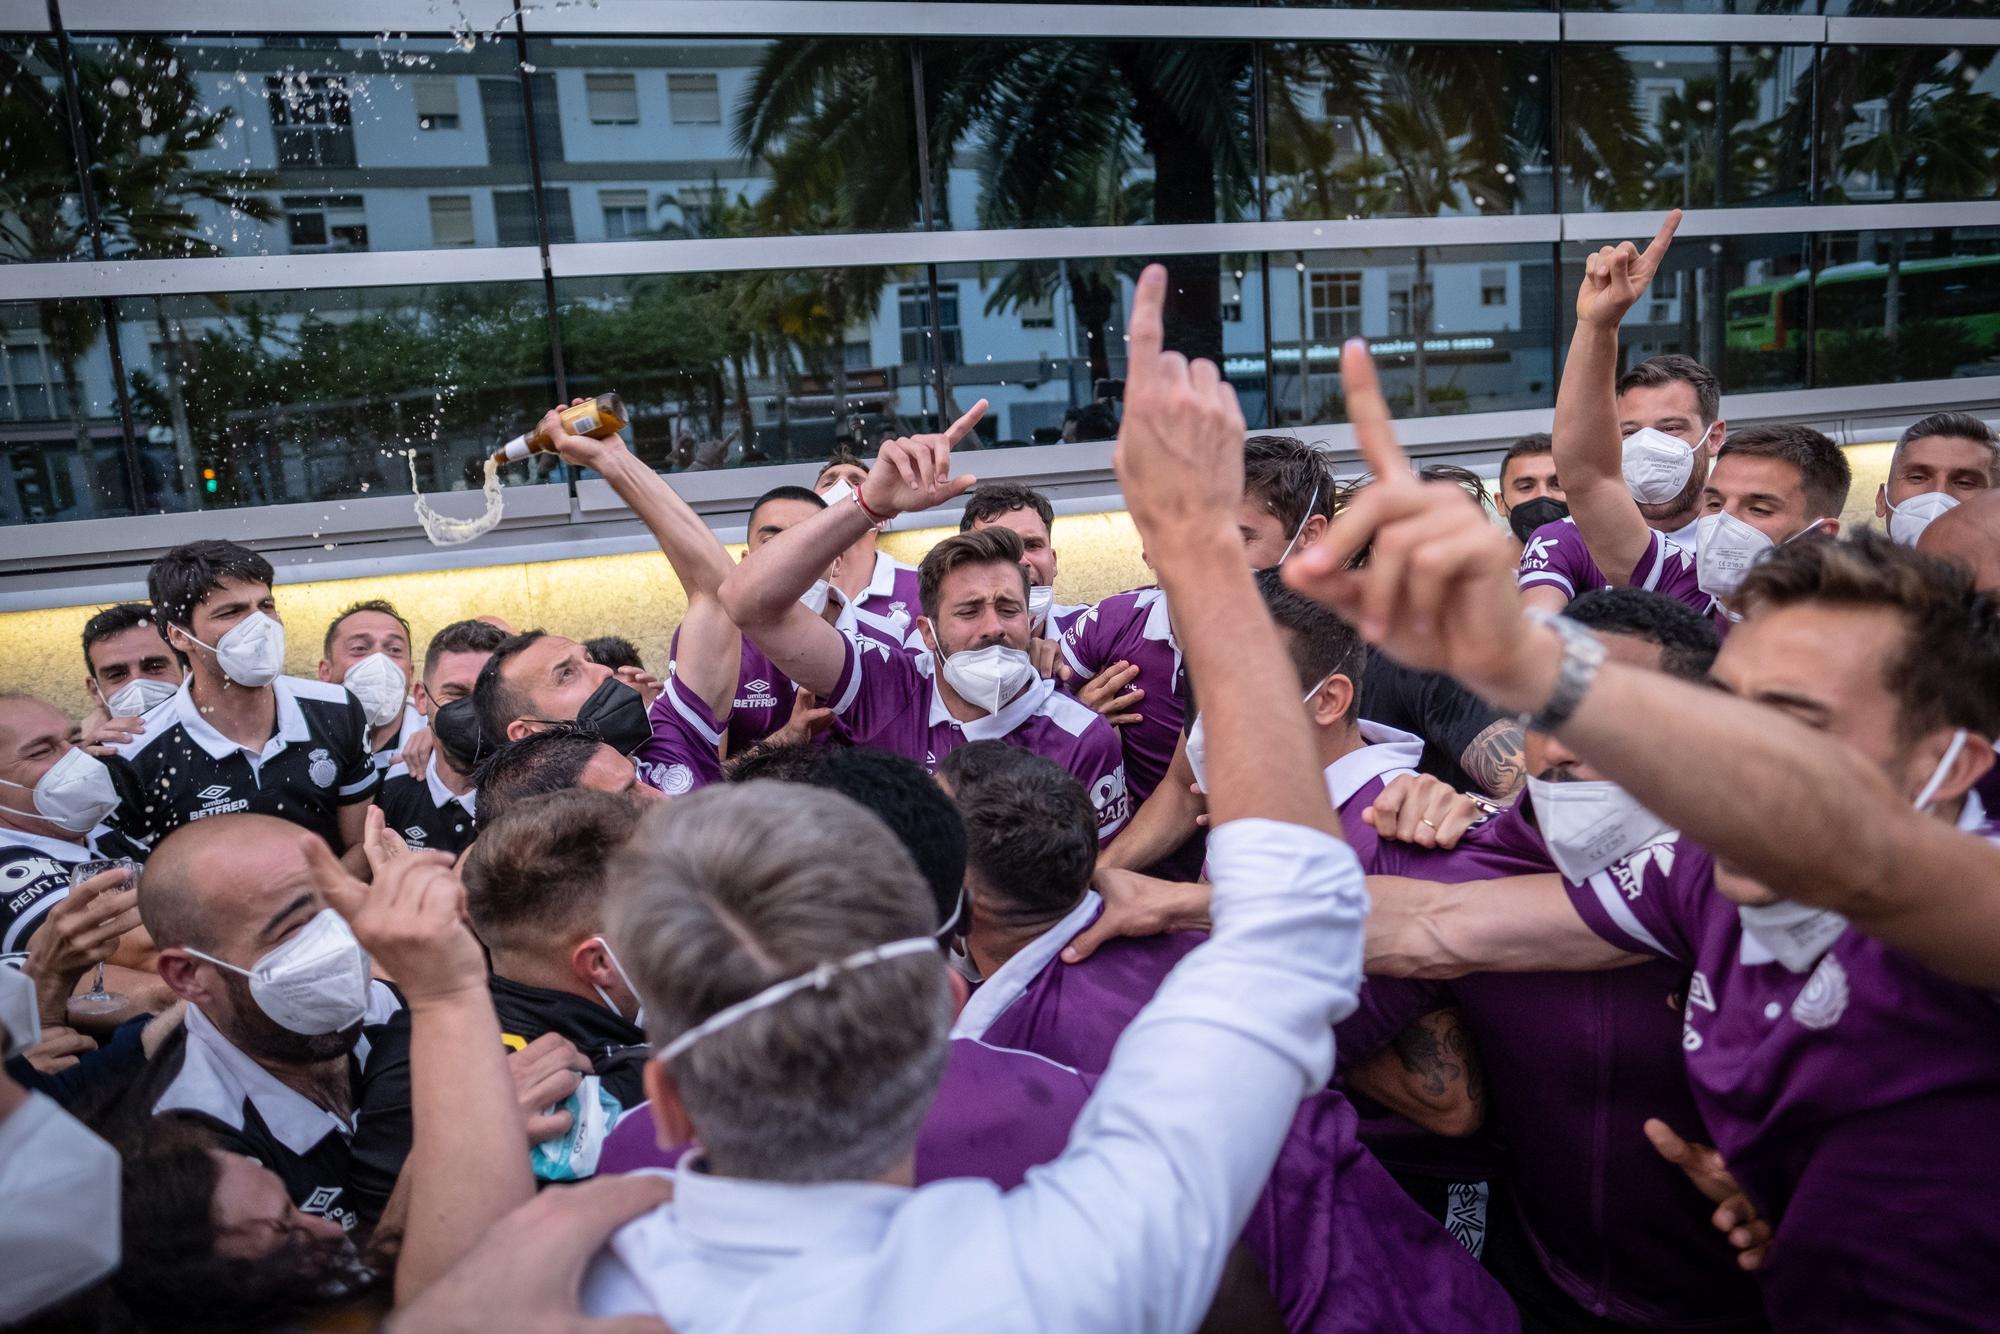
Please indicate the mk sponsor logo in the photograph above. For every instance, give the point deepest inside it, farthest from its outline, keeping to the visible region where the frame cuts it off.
(1537, 551)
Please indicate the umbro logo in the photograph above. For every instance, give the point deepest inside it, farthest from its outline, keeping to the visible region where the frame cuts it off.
(213, 792)
(416, 833)
(757, 687)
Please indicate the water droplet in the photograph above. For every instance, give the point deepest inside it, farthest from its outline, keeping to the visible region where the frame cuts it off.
(120, 88)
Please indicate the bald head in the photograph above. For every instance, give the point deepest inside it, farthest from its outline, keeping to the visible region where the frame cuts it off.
(1970, 535)
(230, 885)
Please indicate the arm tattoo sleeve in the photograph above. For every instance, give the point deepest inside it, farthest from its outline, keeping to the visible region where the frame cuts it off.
(1497, 758)
(1437, 1052)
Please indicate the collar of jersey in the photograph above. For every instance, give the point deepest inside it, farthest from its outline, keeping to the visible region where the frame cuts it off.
(990, 999)
(61, 850)
(291, 723)
(992, 726)
(1387, 751)
(440, 794)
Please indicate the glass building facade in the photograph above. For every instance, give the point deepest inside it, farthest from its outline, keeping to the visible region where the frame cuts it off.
(260, 265)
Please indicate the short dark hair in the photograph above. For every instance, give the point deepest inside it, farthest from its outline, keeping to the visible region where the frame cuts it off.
(781, 763)
(803, 494)
(1823, 471)
(1674, 368)
(1957, 425)
(612, 651)
(916, 810)
(381, 606)
(990, 500)
(499, 703)
(840, 458)
(985, 546)
(551, 759)
(462, 637)
(180, 578)
(1320, 642)
(1528, 446)
(537, 871)
(1290, 479)
(1031, 832)
(113, 621)
(1686, 639)
(1943, 673)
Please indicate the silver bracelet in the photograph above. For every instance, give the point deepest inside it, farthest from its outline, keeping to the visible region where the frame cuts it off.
(1582, 655)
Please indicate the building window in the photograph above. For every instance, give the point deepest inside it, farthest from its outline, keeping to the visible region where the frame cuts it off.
(913, 308)
(325, 224)
(1403, 304)
(624, 212)
(1336, 304)
(613, 99)
(694, 99)
(1493, 287)
(514, 216)
(507, 128)
(437, 102)
(451, 220)
(27, 390)
(1038, 314)
(311, 117)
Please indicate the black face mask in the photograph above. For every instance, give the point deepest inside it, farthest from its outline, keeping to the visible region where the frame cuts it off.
(456, 727)
(1529, 515)
(616, 713)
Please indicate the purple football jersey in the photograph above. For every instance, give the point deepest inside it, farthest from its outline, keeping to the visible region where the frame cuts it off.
(889, 605)
(1556, 556)
(1574, 1064)
(1133, 627)
(1669, 568)
(1341, 1245)
(889, 699)
(685, 750)
(1855, 1102)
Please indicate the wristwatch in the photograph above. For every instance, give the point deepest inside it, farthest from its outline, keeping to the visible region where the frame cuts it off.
(1582, 655)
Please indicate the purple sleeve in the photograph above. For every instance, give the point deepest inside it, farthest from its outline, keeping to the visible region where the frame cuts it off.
(877, 686)
(1100, 767)
(1650, 902)
(1082, 647)
(684, 752)
(1669, 568)
(1556, 556)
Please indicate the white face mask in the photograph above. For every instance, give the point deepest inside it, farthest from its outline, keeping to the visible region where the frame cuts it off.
(1725, 547)
(814, 598)
(1908, 520)
(252, 653)
(836, 493)
(1589, 824)
(76, 793)
(59, 1213)
(987, 678)
(1197, 739)
(1039, 601)
(1657, 465)
(380, 686)
(638, 1016)
(140, 696)
(314, 983)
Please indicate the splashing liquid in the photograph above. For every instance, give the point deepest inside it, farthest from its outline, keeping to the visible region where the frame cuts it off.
(445, 531)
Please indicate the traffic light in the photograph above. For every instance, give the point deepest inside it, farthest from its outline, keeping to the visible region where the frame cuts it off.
(208, 482)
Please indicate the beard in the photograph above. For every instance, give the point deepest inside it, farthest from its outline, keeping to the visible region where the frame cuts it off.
(265, 1039)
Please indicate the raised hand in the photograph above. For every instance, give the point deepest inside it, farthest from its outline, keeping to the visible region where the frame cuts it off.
(412, 920)
(1735, 1216)
(914, 472)
(1438, 590)
(1179, 456)
(580, 451)
(1112, 695)
(546, 1072)
(648, 685)
(1617, 276)
(99, 735)
(82, 930)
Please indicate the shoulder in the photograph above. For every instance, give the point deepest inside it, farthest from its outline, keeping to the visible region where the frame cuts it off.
(1077, 719)
(161, 723)
(306, 689)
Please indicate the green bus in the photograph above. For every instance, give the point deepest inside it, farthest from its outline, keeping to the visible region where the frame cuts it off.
(1959, 289)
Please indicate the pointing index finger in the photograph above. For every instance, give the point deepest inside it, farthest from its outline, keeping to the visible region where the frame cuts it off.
(961, 428)
(342, 892)
(1656, 249)
(1145, 328)
(1368, 413)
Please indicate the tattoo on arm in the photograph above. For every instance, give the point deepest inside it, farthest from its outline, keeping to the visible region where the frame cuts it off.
(1437, 1050)
(1497, 758)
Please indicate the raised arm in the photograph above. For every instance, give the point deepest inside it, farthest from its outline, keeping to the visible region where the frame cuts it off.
(762, 594)
(1521, 924)
(1589, 448)
(1164, 820)
(1175, 1144)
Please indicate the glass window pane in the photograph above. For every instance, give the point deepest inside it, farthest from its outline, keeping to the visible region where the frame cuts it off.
(1091, 133)
(1907, 305)
(613, 99)
(62, 446)
(1442, 346)
(738, 137)
(1904, 123)
(1650, 127)
(41, 205)
(1399, 129)
(451, 220)
(294, 396)
(379, 122)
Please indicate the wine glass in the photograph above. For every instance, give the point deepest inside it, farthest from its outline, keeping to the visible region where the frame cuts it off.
(97, 1000)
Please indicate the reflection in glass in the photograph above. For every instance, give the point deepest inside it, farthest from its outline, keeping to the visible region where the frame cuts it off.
(1907, 305)
(272, 145)
(1900, 123)
(273, 397)
(1378, 130)
(1687, 126)
(62, 447)
(41, 208)
(1469, 329)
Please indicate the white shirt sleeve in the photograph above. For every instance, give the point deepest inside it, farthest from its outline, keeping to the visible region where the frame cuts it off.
(1128, 1230)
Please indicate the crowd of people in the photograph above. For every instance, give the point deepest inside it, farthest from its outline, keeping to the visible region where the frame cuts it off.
(1580, 916)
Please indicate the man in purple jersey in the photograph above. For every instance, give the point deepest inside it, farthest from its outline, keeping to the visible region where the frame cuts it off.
(881, 589)
(975, 681)
(1770, 483)
(1031, 516)
(1340, 1244)
(1829, 1066)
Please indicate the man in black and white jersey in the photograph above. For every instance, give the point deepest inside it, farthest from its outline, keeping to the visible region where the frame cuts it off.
(240, 736)
(49, 803)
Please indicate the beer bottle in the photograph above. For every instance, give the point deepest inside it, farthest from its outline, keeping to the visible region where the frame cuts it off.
(597, 418)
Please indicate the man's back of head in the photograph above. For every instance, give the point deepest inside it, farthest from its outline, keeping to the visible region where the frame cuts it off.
(1031, 833)
(721, 896)
(535, 878)
(556, 759)
(1969, 536)
(1686, 639)
(898, 792)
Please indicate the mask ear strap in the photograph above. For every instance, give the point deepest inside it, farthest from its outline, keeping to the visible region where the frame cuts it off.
(1951, 753)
